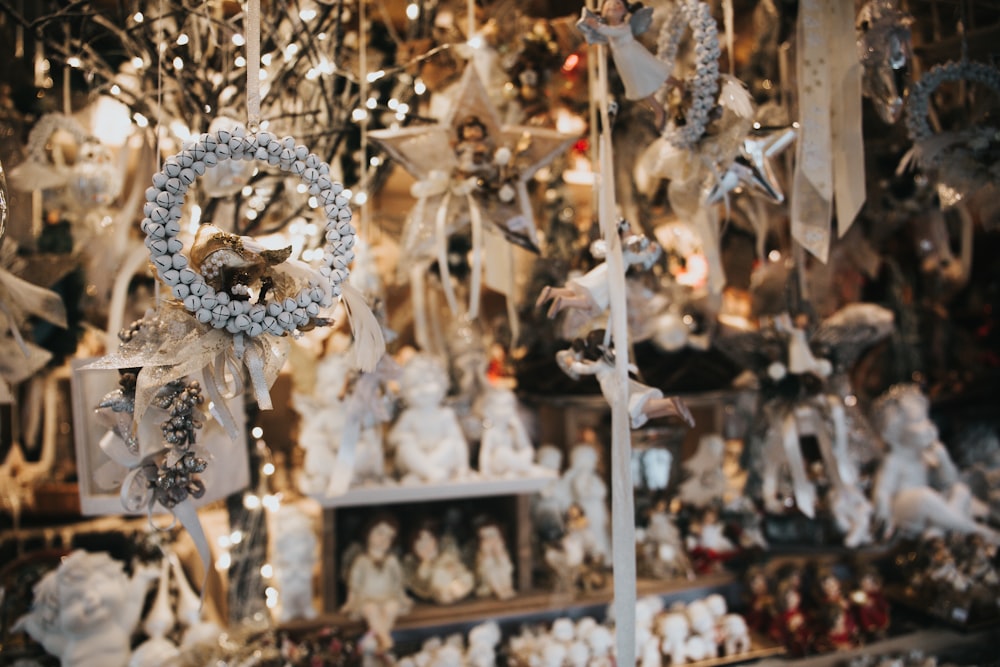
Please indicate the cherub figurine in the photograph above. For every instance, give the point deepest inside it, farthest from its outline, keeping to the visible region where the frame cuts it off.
(85, 611)
(434, 568)
(791, 625)
(641, 72)
(505, 448)
(589, 492)
(375, 587)
(494, 569)
(589, 292)
(428, 440)
(591, 356)
(917, 486)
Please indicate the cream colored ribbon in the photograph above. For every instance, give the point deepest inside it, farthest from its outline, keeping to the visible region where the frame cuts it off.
(830, 154)
(253, 64)
(622, 498)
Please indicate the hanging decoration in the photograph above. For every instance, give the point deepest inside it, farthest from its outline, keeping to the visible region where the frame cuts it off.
(39, 171)
(829, 96)
(964, 160)
(4, 206)
(241, 299)
(886, 54)
(470, 170)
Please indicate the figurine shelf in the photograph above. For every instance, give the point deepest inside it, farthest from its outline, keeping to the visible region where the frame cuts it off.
(514, 494)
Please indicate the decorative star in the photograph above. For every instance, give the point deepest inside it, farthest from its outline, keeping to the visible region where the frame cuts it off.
(752, 167)
(429, 154)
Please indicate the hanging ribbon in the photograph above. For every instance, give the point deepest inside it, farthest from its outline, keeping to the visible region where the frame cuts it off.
(622, 498)
(802, 487)
(253, 65)
(19, 299)
(829, 91)
(177, 347)
(476, 287)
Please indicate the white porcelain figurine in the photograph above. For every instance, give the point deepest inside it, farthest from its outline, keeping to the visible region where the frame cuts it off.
(494, 568)
(85, 612)
(918, 486)
(428, 440)
(505, 448)
(375, 587)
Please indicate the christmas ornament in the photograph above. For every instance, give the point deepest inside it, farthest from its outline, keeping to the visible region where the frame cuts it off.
(704, 84)
(642, 73)
(752, 167)
(38, 171)
(886, 53)
(965, 160)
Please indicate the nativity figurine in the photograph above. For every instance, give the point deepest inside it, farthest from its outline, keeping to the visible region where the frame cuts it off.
(494, 568)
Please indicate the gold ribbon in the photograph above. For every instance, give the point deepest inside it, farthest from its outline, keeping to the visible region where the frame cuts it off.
(830, 153)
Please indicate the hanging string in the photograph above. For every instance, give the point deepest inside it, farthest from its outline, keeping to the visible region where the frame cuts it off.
(727, 21)
(363, 97)
(253, 65)
(471, 28)
(160, 48)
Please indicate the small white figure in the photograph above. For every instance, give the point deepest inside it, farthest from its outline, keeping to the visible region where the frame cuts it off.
(601, 641)
(588, 490)
(917, 486)
(588, 293)
(702, 624)
(735, 634)
(375, 587)
(641, 72)
(551, 503)
(483, 641)
(591, 356)
(673, 628)
(435, 571)
(293, 554)
(85, 612)
(649, 653)
(494, 569)
(706, 483)
(428, 440)
(661, 547)
(505, 448)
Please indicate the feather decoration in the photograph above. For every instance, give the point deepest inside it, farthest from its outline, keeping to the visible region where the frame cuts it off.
(369, 344)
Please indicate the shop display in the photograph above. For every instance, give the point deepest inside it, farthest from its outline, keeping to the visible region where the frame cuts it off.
(519, 319)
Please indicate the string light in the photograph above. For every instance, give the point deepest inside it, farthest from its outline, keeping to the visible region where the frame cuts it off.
(419, 87)
(138, 17)
(239, 40)
(413, 11)
(240, 61)
(183, 39)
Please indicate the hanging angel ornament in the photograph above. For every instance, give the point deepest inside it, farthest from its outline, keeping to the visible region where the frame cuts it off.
(642, 73)
(471, 171)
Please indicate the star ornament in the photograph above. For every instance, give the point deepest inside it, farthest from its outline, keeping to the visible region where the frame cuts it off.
(752, 167)
(469, 159)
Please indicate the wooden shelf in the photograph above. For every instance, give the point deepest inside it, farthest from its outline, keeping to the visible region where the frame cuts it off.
(531, 605)
(473, 487)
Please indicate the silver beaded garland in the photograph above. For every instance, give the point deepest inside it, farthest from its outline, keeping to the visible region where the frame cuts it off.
(697, 16)
(161, 225)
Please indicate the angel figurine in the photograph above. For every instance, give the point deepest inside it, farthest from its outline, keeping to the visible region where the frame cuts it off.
(641, 72)
(505, 449)
(589, 292)
(591, 356)
(85, 612)
(434, 568)
(427, 438)
(375, 582)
